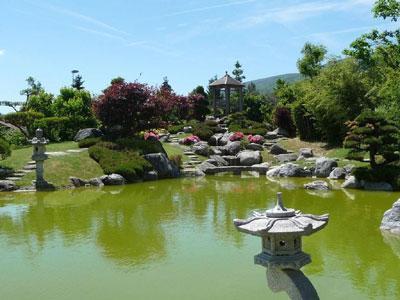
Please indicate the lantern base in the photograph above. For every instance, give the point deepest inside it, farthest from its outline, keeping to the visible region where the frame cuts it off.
(294, 262)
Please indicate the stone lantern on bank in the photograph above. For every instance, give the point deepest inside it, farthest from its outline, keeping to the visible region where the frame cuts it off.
(39, 156)
(281, 230)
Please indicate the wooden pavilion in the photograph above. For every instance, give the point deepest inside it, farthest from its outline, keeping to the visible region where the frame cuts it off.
(226, 83)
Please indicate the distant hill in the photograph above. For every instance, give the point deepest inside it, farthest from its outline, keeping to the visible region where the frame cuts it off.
(266, 85)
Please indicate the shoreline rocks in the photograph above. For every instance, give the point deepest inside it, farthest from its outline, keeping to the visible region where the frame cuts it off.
(319, 185)
(324, 166)
(391, 219)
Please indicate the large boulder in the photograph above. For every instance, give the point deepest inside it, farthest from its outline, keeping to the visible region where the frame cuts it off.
(214, 140)
(352, 183)
(282, 158)
(391, 219)
(289, 170)
(205, 166)
(7, 186)
(224, 140)
(232, 148)
(201, 148)
(276, 149)
(113, 179)
(96, 182)
(162, 165)
(254, 147)
(219, 160)
(305, 153)
(249, 157)
(231, 160)
(150, 176)
(87, 133)
(324, 166)
(317, 185)
(338, 173)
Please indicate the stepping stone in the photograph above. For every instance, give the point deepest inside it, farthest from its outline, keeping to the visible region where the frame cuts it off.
(25, 171)
(56, 153)
(30, 167)
(19, 174)
(193, 156)
(189, 153)
(77, 150)
(13, 178)
(32, 162)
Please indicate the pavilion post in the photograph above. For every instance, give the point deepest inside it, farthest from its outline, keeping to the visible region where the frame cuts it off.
(227, 99)
(214, 100)
(240, 99)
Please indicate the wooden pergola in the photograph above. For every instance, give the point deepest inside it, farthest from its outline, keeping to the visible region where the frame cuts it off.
(227, 83)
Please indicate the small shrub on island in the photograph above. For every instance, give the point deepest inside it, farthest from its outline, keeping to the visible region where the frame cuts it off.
(237, 136)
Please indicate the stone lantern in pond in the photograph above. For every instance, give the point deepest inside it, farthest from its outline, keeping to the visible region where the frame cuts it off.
(281, 230)
(39, 156)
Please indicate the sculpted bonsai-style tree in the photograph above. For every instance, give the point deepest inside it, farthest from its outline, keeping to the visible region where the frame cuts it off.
(373, 134)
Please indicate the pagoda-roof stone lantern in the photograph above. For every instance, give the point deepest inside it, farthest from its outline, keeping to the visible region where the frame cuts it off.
(281, 230)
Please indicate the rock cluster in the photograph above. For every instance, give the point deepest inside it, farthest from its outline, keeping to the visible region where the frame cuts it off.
(391, 219)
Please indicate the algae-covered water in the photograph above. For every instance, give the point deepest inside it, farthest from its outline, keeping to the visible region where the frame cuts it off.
(174, 239)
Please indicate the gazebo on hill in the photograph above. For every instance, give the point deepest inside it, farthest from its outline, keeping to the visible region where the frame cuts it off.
(226, 83)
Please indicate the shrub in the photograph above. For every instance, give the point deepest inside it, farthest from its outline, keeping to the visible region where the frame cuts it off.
(283, 119)
(5, 150)
(237, 136)
(257, 139)
(89, 142)
(15, 138)
(23, 120)
(190, 140)
(127, 163)
(210, 123)
(175, 128)
(388, 173)
(139, 145)
(203, 132)
(304, 122)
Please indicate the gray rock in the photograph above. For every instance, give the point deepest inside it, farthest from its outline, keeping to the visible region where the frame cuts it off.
(205, 166)
(215, 151)
(78, 182)
(201, 148)
(231, 160)
(276, 149)
(224, 140)
(96, 182)
(286, 157)
(232, 148)
(214, 140)
(378, 186)
(150, 176)
(249, 157)
(317, 185)
(162, 165)
(219, 160)
(348, 169)
(4, 172)
(113, 179)
(324, 166)
(289, 170)
(279, 132)
(338, 173)
(87, 133)
(187, 129)
(271, 135)
(7, 186)
(352, 183)
(255, 147)
(164, 137)
(306, 152)
(391, 219)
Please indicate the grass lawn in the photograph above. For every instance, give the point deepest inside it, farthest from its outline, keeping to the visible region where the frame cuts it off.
(178, 150)
(58, 169)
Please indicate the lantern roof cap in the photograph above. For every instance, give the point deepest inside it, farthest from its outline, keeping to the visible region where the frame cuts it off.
(281, 220)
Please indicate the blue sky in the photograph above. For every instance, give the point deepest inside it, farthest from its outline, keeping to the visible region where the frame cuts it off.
(188, 41)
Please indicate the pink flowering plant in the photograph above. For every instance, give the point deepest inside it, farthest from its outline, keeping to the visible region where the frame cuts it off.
(151, 135)
(190, 140)
(257, 139)
(237, 136)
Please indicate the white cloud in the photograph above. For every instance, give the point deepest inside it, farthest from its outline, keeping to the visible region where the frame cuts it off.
(2, 51)
(297, 12)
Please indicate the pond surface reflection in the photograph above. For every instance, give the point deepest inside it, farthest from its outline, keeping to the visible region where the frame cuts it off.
(174, 239)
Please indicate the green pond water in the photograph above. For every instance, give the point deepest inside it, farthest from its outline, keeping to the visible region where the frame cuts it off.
(174, 239)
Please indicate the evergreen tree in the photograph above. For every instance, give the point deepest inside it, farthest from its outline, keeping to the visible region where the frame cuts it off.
(34, 87)
(251, 88)
(78, 83)
(117, 80)
(165, 85)
(238, 72)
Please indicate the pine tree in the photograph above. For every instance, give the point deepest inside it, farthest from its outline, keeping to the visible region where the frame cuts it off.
(78, 83)
(238, 72)
(165, 85)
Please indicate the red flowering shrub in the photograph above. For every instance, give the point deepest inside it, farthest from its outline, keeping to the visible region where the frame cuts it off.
(151, 136)
(190, 140)
(124, 105)
(257, 139)
(199, 106)
(237, 136)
